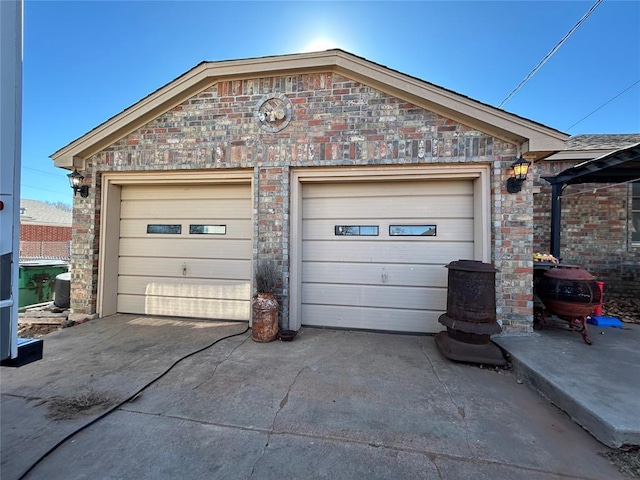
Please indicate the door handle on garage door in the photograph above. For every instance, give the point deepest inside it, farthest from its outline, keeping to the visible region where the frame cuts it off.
(384, 277)
(184, 269)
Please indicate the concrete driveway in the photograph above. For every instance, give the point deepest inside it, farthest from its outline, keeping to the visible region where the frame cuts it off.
(331, 404)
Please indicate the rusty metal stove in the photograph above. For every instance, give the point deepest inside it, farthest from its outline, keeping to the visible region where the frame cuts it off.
(471, 314)
(568, 292)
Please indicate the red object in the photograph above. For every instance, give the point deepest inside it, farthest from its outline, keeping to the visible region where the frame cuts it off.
(569, 291)
(597, 311)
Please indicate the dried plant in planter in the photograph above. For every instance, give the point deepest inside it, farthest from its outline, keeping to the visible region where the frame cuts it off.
(265, 305)
(266, 277)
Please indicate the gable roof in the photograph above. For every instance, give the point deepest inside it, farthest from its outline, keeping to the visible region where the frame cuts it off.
(601, 141)
(531, 136)
(35, 212)
(592, 146)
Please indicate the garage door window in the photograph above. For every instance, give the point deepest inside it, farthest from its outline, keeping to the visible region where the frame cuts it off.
(164, 229)
(356, 230)
(412, 230)
(208, 229)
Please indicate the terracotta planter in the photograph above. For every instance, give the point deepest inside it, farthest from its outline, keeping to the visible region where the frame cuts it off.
(265, 318)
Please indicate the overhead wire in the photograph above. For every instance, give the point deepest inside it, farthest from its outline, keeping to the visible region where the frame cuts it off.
(550, 54)
(42, 172)
(43, 189)
(604, 104)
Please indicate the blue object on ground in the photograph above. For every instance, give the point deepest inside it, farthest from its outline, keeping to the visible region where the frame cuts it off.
(605, 321)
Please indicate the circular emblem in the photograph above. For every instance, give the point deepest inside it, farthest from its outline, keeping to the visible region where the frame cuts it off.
(273, 112)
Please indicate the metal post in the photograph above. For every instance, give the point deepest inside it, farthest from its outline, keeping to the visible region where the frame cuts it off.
(556, 216)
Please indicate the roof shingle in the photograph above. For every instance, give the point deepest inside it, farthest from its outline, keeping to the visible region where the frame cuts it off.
(36, 212)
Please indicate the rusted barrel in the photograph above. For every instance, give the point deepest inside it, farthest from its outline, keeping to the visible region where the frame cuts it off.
(471, 314)
(471, 291)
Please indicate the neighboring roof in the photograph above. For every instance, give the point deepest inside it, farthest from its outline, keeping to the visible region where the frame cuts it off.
(622, 165)
(532, 136)
(598, 141)
(35, 212)
(590, 146)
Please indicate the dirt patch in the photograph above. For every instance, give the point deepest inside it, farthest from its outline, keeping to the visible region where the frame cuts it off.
(35, 330)
(61, 408)
(627, 459)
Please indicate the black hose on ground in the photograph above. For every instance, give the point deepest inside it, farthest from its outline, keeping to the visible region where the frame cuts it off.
(127, 400)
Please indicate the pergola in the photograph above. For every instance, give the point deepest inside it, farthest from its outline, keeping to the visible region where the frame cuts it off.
(620, 166)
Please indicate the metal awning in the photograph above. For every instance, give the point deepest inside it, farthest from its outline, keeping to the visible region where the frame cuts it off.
(619, 166)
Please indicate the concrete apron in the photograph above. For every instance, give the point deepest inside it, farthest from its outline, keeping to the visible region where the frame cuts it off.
(597, 385)
(330, 404)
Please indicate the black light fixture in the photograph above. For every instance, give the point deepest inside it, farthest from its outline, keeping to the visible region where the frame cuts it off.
(76, 180)
(520, 169)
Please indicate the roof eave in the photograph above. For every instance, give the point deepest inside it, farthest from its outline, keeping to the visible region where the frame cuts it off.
(452, 105)
(576, 155)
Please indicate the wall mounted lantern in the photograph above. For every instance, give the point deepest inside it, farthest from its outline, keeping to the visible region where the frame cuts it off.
(76, 180)
(520, 169)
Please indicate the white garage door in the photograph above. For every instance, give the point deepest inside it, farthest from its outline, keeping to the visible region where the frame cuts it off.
(373, 252)
(186, 251)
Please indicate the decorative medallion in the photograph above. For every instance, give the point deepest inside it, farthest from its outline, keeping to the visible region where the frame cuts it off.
(273, 112)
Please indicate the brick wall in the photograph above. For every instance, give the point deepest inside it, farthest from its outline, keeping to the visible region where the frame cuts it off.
(44, 233)
(44, 241)
(595, 230)
(335, 122)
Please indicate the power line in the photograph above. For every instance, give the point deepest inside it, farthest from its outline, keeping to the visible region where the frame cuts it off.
(42, 172)
(604, 104)
(60, 192)
(550, 54)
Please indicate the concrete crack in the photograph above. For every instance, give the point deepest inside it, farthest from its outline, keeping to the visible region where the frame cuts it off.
(437, 469)
(285, 400)
(178, 427)
(460, 408)
(282, 404)
(253, 467)
(186, 394)
(220, 363)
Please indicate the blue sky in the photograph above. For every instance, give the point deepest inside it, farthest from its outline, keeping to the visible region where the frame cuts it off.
(85, 61)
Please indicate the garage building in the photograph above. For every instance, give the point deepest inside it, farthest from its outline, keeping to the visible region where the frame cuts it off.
(361, 183)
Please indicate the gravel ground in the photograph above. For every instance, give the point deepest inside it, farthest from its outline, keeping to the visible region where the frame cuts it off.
(626, 459)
